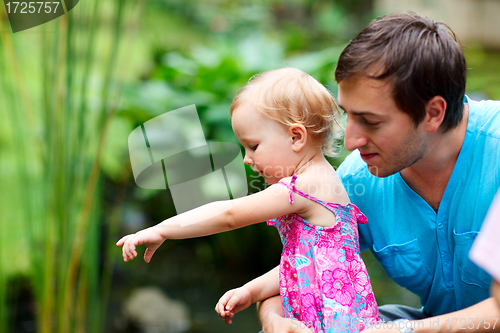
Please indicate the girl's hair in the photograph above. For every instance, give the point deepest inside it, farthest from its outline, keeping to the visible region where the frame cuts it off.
(291, 96)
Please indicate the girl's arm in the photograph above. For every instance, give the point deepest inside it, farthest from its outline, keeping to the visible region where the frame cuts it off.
(213, 218)
(254, 291)
(273, 321)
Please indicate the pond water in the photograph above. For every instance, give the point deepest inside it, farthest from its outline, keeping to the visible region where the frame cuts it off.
(180, 273)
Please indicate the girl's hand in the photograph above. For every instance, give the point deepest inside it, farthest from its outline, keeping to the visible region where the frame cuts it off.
(232, 302)
(151, 237)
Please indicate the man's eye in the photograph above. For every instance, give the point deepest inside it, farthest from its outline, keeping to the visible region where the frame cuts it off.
(370, 123)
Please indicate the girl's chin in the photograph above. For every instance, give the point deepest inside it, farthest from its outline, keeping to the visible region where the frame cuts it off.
(270, 180)
(267, 179)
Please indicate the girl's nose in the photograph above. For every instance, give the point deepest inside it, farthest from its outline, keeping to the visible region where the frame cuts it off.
(354, 137)
(247, 160)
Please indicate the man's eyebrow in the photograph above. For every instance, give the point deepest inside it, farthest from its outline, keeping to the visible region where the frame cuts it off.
(360, 113)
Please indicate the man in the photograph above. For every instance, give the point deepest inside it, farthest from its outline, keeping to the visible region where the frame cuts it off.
(424, 171)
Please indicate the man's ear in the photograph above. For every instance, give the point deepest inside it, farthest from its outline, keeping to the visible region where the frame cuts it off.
(298, 135)
(435, 109)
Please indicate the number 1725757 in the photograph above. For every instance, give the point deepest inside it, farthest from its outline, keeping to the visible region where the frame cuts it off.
(31, 7)
(472, 323)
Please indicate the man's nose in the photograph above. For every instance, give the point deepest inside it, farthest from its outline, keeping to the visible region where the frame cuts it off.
(354, 136)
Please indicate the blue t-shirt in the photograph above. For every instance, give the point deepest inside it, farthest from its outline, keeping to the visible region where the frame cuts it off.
(424, 251)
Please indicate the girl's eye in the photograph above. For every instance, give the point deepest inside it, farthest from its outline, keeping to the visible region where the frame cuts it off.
(254, 147)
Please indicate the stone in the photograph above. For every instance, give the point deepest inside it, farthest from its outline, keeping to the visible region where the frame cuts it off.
(152, 311)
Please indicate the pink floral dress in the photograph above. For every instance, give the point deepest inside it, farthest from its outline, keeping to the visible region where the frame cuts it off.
(323, 280)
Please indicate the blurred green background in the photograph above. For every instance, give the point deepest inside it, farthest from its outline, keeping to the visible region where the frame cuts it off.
(71, 92)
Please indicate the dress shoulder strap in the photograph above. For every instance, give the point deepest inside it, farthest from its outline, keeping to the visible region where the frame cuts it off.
(352, 210)
(292, 189)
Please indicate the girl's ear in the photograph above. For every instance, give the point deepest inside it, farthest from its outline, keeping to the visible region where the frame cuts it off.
(435, 110)
(298, 136)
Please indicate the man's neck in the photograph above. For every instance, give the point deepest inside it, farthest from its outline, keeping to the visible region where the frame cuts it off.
(429, 176)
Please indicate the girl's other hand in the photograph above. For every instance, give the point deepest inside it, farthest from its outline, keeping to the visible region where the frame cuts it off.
(150, 237)
(232, 302)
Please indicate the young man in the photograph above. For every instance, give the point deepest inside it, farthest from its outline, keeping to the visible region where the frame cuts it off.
(424, 171)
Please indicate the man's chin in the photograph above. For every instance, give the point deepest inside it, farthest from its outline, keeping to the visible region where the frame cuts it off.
(380, 172)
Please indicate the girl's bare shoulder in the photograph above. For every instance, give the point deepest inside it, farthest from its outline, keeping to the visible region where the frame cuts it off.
(324, 185)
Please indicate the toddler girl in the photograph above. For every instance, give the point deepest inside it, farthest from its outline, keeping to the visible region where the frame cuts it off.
(286, 120)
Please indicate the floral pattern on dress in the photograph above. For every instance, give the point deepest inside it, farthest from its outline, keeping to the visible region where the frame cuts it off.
(323, 280)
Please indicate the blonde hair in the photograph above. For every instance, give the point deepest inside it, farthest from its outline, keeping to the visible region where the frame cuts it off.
(291, 96)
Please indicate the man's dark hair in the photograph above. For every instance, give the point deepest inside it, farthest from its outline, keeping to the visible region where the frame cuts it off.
(421, 58)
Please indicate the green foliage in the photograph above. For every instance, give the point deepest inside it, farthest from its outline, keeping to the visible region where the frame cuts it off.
(483, 72)
(209, 77)
(55, 121)
(58, 103)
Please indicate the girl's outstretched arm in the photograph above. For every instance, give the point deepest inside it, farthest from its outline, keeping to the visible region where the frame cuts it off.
(254, 291)
(213, 218)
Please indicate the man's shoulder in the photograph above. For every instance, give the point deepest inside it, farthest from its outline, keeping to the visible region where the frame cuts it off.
(353, 172)
(352, 165)
(487, 113)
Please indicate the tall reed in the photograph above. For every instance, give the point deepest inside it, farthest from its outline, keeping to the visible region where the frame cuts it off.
(58, 102)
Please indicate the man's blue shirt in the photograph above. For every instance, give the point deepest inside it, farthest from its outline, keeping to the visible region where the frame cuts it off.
(424, 251)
